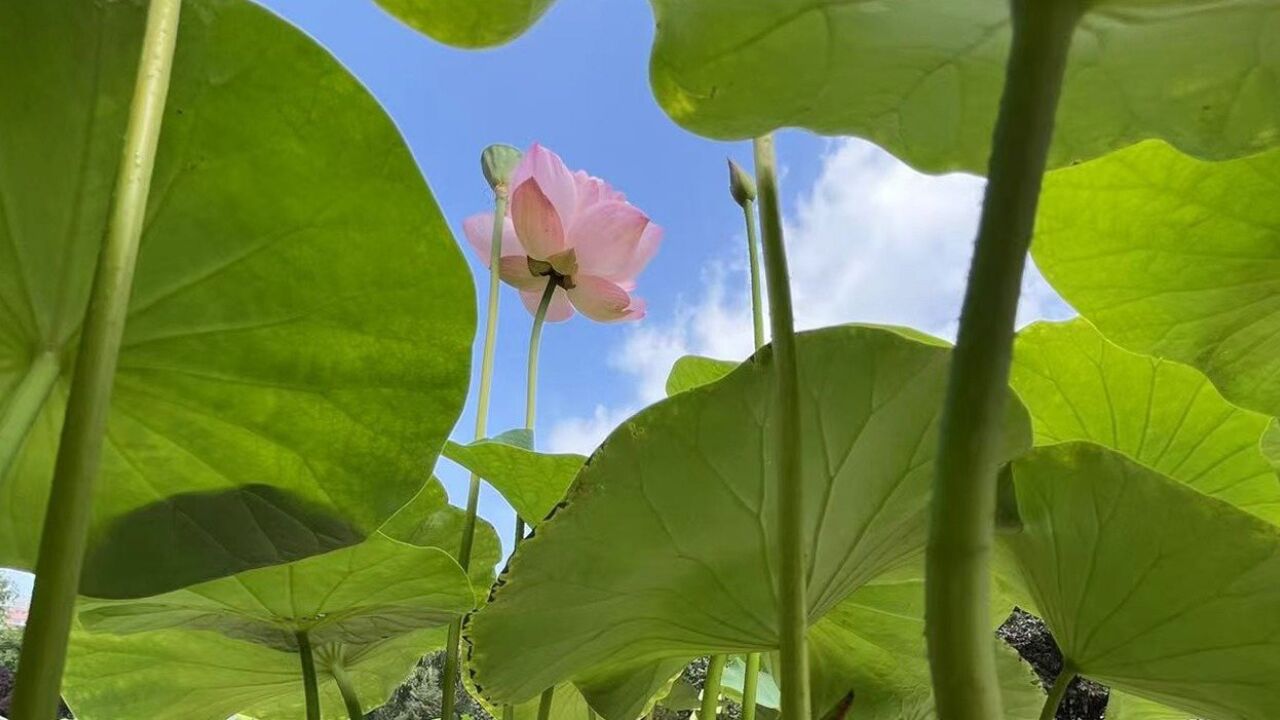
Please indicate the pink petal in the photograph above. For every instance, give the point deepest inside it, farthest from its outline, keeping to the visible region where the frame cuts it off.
(538, 225)
(558, 311)
(592, 190)
(603, 301)
(606, 239)
(514, 271)
(553, 177)
(479, 232)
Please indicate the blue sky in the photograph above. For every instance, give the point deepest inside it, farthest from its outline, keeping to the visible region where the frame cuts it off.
(870, 240)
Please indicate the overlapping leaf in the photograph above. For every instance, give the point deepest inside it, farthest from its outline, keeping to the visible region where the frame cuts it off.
(297, 346)
(1175, 257)
(531, 481)
(229, 645)
(922, 78)
(691, 371)
(1148, 585)
(1078, 386)
(873, 644)
(468, 23)
(666, 548)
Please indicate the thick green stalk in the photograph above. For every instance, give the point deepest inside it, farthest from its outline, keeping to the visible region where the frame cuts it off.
(27, 402)
(348, 691)
(792, 603)
(67, 517)
(1057, 692)
(530, 419)
(544, 703)
(508, 712)
(310, 690)
(961, 651)
(711, 688)
(449, 685)
(531, 379)
(753, 257)
(749, 685)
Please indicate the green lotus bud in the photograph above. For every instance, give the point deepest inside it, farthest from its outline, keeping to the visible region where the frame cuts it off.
(741, 184)
(498, 162)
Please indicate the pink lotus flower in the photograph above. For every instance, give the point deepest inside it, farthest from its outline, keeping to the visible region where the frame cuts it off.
(572, 229)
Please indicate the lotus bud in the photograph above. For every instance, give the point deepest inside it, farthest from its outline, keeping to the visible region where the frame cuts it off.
(498, 162)
(741, 184)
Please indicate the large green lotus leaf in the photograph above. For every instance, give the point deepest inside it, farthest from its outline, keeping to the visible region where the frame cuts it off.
(873, 645)
(430, 521)
(297, 346)
(468, 23)
(354, 596)
(922, 78)
(200, 675)
(1175, 257)
(531, 481)
(1121, 706)
(1148, 585)
(666, 545)
(692, 371)
(1079, 386)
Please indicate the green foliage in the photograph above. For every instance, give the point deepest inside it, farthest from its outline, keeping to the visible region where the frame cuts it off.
(1173, 257)
(468, 23)
(531, 481)
(298, 341)
(665, 547)
(692, 371)
(922, 78)
(1079, 386)
(229, 645)
(1148, 585)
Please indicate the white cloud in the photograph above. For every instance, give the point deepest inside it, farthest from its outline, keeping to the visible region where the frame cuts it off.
(871, 241)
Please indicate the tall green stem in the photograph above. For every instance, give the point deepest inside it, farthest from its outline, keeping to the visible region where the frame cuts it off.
(961, 650)
(750, 683)
(711, 688)
(347, 690)
(310, 690)
(753, 257)
(531, 379)
(530, 419)
(1057, 691)
(792, 603)
(27, 402)
(544, 703)
(67, 517)
(449, 685)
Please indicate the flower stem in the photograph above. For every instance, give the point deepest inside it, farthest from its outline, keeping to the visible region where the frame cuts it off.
(749, 685)
(531, 380)
(70, 507)
(449, 685)
(310, 690)
(792, 608)
(544, 703)
(28, 400)
(961, 651)
(348, 691)
(753, 257)
(711, 688)
(1057, 691)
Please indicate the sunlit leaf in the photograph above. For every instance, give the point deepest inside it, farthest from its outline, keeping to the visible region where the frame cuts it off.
(298, 341)
(873, 644)
(691, 371)
(922, 78)
(1121, 706)
(1148, 585)
(666, 547)
(531, 481)
(1174, 257)
(734, 680)
(468, 23)
(1078, 386)
(430, 521)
